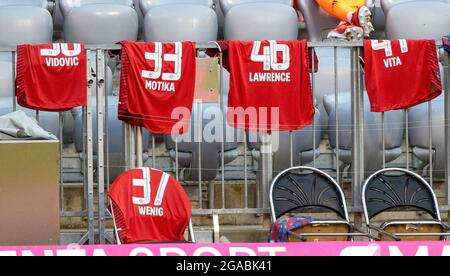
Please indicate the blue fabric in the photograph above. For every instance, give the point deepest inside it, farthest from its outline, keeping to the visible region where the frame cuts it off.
(280, 228)
(446, 42)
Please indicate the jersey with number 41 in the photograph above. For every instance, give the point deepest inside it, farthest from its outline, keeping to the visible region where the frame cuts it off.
(270, 87)
(400, 73)
(149, 205)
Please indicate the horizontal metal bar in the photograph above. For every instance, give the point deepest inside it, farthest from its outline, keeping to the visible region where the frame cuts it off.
(330, 43)
(420, 234)
(334, 234)
(202, 212)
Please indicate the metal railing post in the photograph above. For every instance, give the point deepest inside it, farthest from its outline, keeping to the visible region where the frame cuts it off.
(357, 107)
(101, 69)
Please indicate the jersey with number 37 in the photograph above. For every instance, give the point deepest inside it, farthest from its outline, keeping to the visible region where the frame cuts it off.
(149, 205)
(157, 85)
(51, 77)
(269, 77)
(400, 73)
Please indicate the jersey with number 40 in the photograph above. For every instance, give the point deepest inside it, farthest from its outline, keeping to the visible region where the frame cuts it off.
(400, 73)
(270, 87)
(149, 205)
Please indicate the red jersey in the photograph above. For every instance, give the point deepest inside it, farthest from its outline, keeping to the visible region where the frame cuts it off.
(51, 77)
(270, 87)
(157, 85)
(149, 205)
(400, 73)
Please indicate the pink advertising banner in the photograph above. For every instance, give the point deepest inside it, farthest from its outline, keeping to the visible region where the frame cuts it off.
(438, 248)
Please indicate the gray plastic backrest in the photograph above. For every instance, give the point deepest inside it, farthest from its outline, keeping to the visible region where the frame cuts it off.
(37, 3)
(316, 19)
(383, 191)
(210, 146)
(146, 5)
(226, 5)
(193, 23)
(419, 139)
(388, 4)
(68, 5)
(260, 21)
(418, 20)
(292, 191)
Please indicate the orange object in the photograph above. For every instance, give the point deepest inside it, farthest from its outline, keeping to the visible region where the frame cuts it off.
(340, 8)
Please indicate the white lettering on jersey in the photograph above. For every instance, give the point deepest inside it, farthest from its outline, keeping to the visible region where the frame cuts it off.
(166, 85)
(386, 45)
(146, 199)
(270, 62)
(160, 86)
(145, 184)
(70, 58)
(151, 211)
(270, 77)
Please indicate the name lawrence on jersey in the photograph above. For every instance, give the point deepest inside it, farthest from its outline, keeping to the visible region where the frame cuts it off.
(269, 77)
(162, 86)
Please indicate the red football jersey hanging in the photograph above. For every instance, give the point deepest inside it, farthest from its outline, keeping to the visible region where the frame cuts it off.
(400, 73)
(270, 87)
(157, 85)
(51, 77)
(149, 205)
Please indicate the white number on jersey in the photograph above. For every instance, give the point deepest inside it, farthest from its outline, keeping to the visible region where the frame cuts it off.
(269, 56)
(145, 184)
(387, 46)
(157, 57)
(61, 48)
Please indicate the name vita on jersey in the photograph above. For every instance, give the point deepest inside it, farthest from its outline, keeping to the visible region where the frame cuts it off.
(61, 62)
(270, 77)
(392, 62)
(163, 86)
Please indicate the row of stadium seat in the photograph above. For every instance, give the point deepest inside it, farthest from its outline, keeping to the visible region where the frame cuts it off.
(109, 21)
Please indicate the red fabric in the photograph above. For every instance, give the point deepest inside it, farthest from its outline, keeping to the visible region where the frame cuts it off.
(404, 78)
(150, 102)
(147, 220)
(51, 77)
(226, 64)
(288, 88)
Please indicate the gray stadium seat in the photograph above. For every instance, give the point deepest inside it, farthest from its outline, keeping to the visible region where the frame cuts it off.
(302, 144)
(174, 20)
(319, 23)
(188, 148)
(6, 85)
(417, 19)
(324, 79)
(419, 135)
(115, 143)
(259, 19)
(394, 132)
(47, 120)
(25, 21)
(99, 21)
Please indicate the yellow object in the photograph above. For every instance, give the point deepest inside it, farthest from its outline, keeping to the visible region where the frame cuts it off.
(340, 8)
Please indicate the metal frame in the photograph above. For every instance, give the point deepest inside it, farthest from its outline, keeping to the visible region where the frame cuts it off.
(133, 142)
(380, 228)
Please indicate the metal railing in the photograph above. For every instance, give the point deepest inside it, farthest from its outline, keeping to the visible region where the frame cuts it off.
(133, 142)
